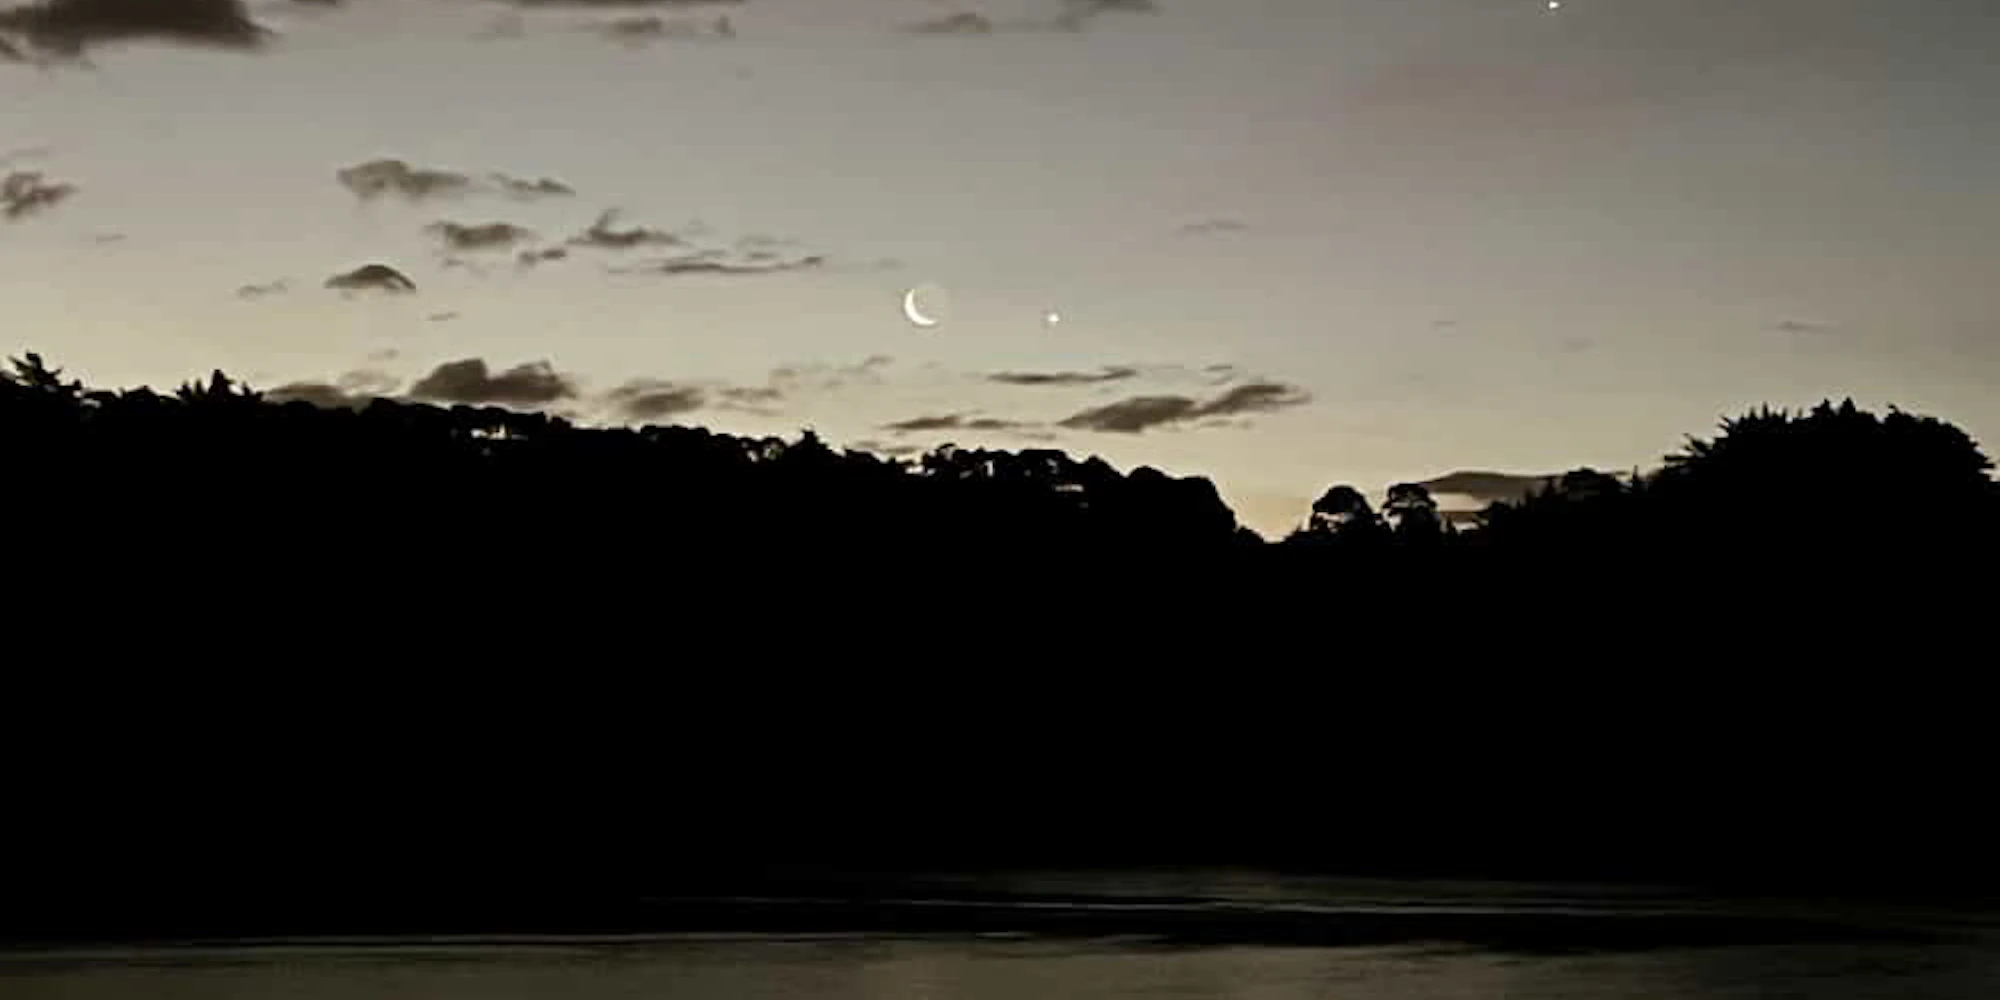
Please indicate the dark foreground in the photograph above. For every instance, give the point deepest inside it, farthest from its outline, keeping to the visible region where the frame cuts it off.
(1068, 937)
(1187, 908)
(386, 667)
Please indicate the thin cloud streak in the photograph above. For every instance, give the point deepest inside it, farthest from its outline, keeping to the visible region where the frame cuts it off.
(1138, 414)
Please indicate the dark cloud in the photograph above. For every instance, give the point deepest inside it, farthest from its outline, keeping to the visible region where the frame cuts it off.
(1212, 227)
(540, 187)
(262, 289)
(376, 178)
(68, 27)
(26, 192)
(372, 277)
(9, 52)
(941, 422)
(529, 258)
(964, 23)
(481, 236)
(654, 399)
(1090, 7)
(1487, 487)
(868, 370)
(644, 30)
(1109, 373)
(882, 448)
(322, 394)
(1074, 15)
(466, 264)
(353, 390)
(608, 4)
(758, 399)
(1256, 397)
(1137, 414)
(705, 262)
(957, 421)
(472, 382)
(602, 235)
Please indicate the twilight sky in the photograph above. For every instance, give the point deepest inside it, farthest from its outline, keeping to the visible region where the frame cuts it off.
(1421, 235)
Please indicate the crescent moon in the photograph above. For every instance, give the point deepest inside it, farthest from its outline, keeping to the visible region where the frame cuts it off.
(915, 313)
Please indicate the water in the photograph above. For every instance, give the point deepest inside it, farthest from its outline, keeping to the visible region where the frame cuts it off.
(1962, 965)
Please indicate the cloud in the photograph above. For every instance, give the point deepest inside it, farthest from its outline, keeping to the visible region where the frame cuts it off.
(530, 258)
(466, 264)
(470, 381)
(1109, 373)
(1090, 7)
(441, 317)
(758, 399)
(262, 289)
(1803, 326)
(1487, 487)
(644, 30)
(964, 23)
(540, 187)
(654, 399)
(1075, 15)
(891, 450)
(962, 421)
(482, 236)
(603, 236)
(868, 370)
(377, 277)
(26, 192)
(602, 4)
(704, 262)
(1256, 397)
(1212, 227)
(353, 390)
(68, 27)
(376, 178)
(1137, 414)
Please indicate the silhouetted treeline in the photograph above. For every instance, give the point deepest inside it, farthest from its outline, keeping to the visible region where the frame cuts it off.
(280, 650)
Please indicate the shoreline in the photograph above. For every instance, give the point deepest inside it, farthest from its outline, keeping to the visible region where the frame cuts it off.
(1195, 924)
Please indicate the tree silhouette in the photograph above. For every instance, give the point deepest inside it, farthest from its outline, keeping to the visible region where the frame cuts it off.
(1022, 623)
(1412, 512)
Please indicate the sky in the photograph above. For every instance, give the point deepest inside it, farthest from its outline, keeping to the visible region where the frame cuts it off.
(1290, 242)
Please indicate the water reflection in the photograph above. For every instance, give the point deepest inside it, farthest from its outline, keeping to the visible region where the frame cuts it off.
(996, 968)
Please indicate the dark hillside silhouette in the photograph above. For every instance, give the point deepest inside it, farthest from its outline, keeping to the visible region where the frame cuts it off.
(268, 653)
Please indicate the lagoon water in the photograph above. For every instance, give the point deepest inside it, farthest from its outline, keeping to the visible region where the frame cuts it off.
(1962, 965)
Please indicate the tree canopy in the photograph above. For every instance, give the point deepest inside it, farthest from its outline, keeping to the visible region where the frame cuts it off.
(1771, 629)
